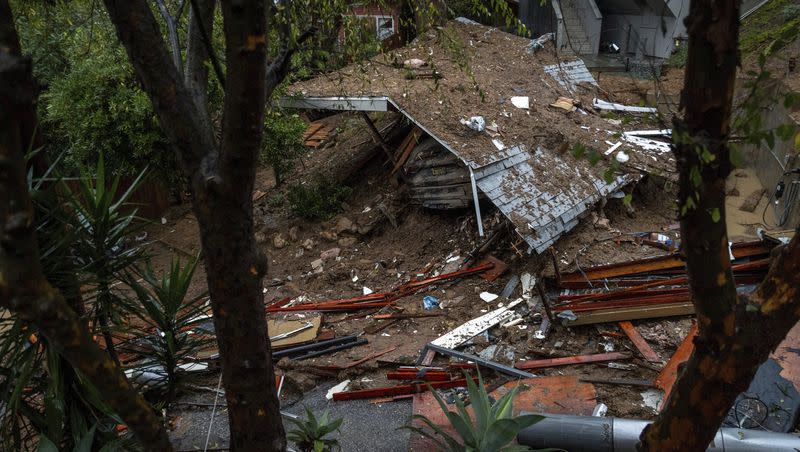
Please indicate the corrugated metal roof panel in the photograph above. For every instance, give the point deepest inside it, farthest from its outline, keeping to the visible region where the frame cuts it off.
(570, 74)
(540, 210)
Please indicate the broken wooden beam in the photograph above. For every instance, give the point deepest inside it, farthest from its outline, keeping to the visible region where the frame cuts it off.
(669, 374)
(581, 359)
(641, 344)
(632, 313)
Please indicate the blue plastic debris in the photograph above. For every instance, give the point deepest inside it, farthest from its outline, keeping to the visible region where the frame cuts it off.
(429, 302)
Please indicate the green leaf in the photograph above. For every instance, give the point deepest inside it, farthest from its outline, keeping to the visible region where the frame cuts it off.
(45, 445)
(85, 444)
(694, 175)
(715, 214)
(500, 433)
(593, 157)
(627, 199)
(791, 100)
(785, 131)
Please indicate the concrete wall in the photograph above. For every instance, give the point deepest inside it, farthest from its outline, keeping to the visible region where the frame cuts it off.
(641, 35)
(592, 21)
(769, 164)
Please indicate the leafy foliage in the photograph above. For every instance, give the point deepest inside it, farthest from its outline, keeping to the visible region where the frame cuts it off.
(41, 394)
(283, 142)
(169, 321)
(492, 427)
(311, 434)
(102, 221)
(319, 199)
(91, 103)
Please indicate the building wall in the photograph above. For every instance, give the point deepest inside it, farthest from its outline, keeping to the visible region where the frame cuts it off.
(538, 18)
(770, 164)
(380, 11)
(642, 35)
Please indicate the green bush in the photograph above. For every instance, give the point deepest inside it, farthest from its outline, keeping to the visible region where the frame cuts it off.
(319, 199)
(678, 57)
(98, 108)
(283, 142)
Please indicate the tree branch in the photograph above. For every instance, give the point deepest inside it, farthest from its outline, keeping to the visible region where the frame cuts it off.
(204, 34)
(278, 69)
(172, 32)
(198, 52)
(175, 109)
(23, 288)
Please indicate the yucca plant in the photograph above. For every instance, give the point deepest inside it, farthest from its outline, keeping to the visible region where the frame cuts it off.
(170, 320)
(41, 395)
(102, 222)
(492, 428)
(310, 434)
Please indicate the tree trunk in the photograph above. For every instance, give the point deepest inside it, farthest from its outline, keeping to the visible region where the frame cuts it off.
(23, 288)
(736, 334)
(222, 181)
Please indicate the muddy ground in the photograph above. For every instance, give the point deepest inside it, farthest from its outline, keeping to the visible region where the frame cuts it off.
(378, 241)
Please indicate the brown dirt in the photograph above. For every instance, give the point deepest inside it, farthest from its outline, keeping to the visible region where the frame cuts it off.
(481, 68)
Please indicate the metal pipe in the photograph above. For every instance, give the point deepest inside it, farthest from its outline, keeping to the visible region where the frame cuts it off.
(608, 434)
(335, 348)
(475, 201)
(316, 345)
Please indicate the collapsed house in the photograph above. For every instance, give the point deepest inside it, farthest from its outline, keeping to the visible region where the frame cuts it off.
(494, 120)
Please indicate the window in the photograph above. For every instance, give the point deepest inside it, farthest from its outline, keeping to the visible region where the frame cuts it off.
(385, 27)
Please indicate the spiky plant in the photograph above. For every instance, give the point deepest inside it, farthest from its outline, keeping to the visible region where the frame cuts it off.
(170, 319)
(311, 433)
(492, 428)
(103, 221)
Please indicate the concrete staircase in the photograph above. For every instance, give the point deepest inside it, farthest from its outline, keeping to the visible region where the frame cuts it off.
(577, 40)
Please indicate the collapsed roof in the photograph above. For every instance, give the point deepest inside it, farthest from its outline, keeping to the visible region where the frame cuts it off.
(523, 164)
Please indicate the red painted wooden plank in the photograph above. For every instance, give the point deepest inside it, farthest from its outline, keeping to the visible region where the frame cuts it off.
(582, 359)
(669, 374)
(640, 343)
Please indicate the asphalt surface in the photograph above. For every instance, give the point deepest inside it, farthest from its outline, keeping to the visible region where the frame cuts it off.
(366, 427)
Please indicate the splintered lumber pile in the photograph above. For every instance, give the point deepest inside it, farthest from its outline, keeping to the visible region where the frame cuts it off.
(318, 134)
(646, 288)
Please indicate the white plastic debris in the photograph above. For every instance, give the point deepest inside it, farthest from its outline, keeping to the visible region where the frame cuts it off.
(622, 157)
(413, 63)
(600, 410)
(163, 220)
(476, 123)
(498, 144)
(488, 297)
(338, 388)
(652, 398)
(366, 290)
(521, 102)
(539, 42)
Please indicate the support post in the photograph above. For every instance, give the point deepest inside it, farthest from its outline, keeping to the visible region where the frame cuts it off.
(478, 218)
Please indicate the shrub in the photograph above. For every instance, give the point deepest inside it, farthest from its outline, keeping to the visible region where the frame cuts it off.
(318, 200)
(283, 142)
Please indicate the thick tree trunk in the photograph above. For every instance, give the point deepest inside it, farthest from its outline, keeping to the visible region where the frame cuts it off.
(23, 288)
(222, 182)
(736, 334)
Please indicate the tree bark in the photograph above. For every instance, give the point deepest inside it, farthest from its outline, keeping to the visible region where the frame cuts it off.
(736, 334)
(197, 55)
(23, 288)
(222, 182)
(172, 33)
